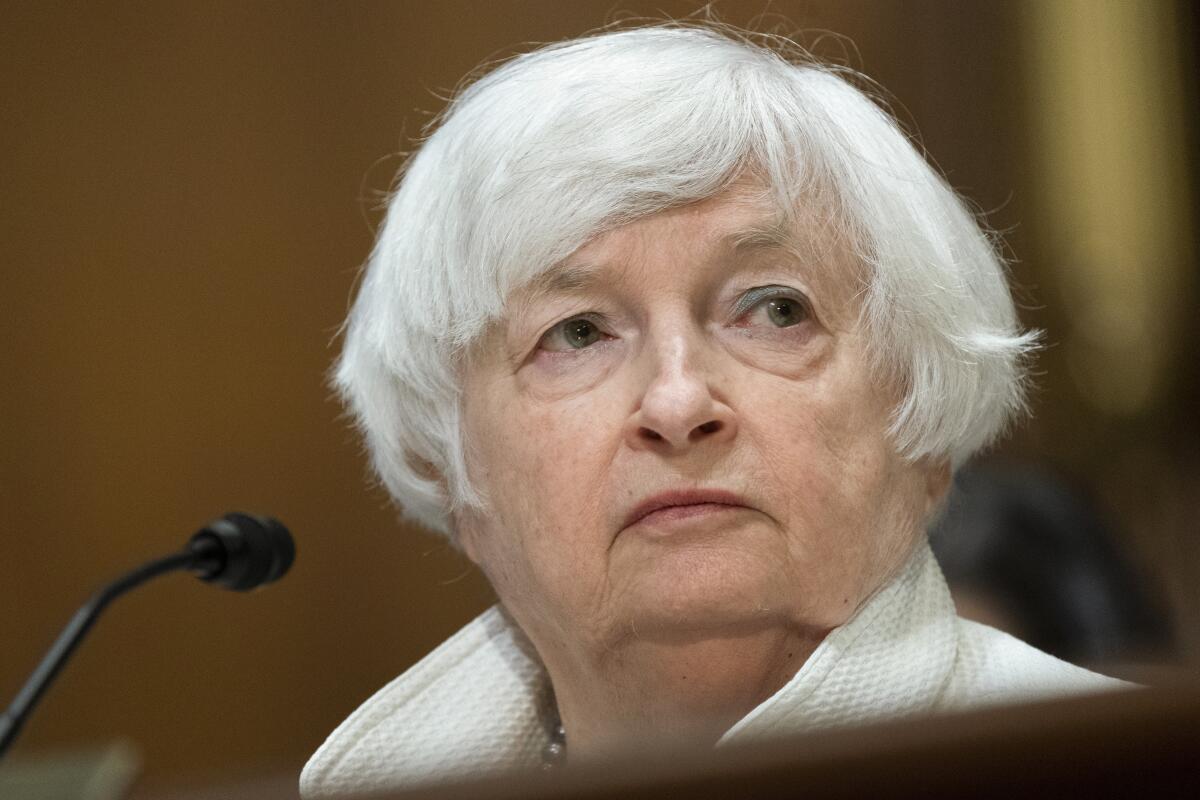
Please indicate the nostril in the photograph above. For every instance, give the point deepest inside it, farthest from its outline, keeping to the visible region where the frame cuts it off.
(710, 427)
(653, 435)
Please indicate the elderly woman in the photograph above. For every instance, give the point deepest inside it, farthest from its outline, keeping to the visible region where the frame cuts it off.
(679, 340)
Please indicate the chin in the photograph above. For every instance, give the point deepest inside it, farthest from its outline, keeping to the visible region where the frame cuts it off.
(685, 595)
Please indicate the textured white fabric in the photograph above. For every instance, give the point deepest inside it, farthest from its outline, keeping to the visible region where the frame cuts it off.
(479, 703)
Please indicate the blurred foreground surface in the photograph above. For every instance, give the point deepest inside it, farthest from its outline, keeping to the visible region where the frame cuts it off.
(1124, 744)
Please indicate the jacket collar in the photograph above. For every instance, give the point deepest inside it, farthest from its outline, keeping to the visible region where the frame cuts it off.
(893, 658)
(481, 701)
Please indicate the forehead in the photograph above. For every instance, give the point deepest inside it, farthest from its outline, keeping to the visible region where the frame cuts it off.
(733, 227)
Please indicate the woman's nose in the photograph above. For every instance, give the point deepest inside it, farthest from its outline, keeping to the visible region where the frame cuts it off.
(678, 408)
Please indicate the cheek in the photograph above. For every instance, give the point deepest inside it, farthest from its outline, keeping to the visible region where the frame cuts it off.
(548, 452)
(843, 496)
(543, 469)
(826, 447)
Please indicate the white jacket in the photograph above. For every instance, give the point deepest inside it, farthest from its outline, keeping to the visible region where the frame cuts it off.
(479, 702)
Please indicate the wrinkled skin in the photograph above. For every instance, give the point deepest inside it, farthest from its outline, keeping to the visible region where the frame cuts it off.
(679, 627)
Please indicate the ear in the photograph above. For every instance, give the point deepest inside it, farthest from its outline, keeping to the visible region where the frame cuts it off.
(937, 484)
(464, 535)
(461, 534)
(424, 469)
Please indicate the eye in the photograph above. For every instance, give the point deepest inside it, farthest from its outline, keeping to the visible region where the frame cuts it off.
(571, 334)
(784, 312)
(775, 305)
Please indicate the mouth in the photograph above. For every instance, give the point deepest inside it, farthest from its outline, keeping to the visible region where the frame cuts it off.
(669, 507)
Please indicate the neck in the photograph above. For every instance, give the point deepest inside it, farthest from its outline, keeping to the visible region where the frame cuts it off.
(686, 691)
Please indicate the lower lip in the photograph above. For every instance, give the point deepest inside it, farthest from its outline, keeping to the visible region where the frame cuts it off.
(678, 513)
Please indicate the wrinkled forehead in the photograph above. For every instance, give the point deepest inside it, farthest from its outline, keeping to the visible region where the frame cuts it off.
(741, 224)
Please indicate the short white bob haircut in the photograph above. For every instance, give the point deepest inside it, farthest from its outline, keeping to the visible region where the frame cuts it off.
(549, 149)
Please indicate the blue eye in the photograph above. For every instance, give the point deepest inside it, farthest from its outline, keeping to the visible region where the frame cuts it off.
(572, 334)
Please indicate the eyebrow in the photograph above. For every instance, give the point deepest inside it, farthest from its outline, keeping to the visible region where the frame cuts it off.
(563, 278)
(752, 240)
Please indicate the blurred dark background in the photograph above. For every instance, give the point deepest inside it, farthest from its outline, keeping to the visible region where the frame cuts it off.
(188, 190)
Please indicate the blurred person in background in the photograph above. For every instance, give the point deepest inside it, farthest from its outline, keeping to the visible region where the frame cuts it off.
(1025, 553)
(674, 333)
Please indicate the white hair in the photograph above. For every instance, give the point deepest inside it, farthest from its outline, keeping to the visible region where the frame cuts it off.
(537, 157)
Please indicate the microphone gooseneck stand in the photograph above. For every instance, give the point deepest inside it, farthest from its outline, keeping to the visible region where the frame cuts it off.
(237, 551)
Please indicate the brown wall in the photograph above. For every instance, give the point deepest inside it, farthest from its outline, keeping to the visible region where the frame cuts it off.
(187, 190)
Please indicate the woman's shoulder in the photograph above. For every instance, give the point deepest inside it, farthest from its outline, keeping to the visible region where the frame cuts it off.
(992, 667)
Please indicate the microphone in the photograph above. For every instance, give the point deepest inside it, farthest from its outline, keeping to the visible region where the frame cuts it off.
(242, 551)
(237, 551)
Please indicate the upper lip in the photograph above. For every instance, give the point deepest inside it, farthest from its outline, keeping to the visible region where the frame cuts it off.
(684, 497)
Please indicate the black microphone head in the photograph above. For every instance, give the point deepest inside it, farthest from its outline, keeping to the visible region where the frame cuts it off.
(242, 551)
